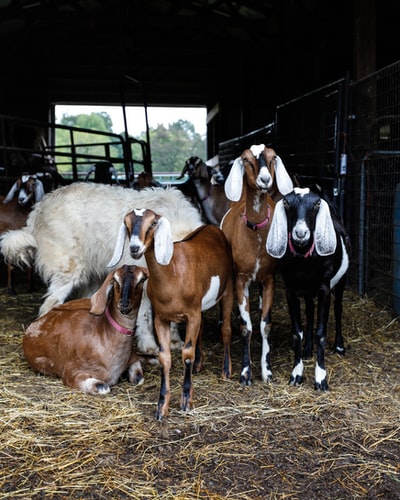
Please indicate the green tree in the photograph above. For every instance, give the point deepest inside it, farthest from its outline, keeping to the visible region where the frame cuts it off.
(172, 146)
(86, 143)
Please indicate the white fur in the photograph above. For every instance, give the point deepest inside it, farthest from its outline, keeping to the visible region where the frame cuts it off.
(324, 234)
(234, 181)
(343, 266)
(283, 180)
(211, 297)
(278, 232)
(163, 242)
(73, 231)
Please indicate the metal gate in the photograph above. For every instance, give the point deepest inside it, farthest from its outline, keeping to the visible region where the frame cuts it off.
(345, 137)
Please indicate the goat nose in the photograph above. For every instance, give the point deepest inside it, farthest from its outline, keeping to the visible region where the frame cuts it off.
(300, 233)
(134, 249)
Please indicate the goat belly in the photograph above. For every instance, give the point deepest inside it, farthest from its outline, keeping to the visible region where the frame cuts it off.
(213, 294)
(303, 278)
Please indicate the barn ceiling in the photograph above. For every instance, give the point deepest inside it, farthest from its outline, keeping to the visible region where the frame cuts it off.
(181, 52)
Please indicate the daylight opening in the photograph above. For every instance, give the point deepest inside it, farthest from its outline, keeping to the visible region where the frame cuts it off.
(174, 134)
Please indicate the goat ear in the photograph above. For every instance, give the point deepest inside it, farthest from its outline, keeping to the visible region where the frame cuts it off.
(234, 182)
(144, 273)
(99, 299)
(119, 246)
(324, 234)
(283, 180)
(11, 193)
(39, 190)
(163, 242)
(278, 233)
(184, 170)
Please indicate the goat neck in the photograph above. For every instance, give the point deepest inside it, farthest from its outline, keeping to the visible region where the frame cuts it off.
(123, 310)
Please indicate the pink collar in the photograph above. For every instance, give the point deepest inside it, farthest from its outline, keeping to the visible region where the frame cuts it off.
(118, 327)
(260, 225)
(292, 249)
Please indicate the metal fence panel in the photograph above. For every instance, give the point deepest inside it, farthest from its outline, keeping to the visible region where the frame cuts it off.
(346, 138)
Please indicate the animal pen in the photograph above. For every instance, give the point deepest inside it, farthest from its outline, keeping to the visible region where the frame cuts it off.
(345, 137)
(266, 441)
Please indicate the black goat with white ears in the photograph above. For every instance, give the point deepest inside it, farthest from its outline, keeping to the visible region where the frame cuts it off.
(313, 248)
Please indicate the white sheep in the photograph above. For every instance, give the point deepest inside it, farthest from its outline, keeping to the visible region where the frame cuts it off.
(71, 235)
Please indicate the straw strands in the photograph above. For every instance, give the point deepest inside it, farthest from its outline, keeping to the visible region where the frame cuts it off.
(265, 441)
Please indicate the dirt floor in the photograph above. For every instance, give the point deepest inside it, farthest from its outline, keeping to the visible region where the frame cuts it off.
(267, 441)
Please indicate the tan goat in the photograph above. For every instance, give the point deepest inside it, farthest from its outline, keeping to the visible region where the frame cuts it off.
(88, 342)
(257, 179)
(186, 278)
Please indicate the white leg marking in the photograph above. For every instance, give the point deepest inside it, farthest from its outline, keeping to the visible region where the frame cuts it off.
(320, 374)
(266, 373)
(298, 370)
(89, 386)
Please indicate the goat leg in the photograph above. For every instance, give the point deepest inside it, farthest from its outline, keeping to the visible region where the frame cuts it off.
(198, 356)
(338, 310)
(309, 338)
(246, 329)
(85, 382)
(265, 327)
(226, 330)
(324, 296)
(163, 334)
(193, 329)
(296, 377)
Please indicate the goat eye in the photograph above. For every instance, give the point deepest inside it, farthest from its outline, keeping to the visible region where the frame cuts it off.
(317, 204)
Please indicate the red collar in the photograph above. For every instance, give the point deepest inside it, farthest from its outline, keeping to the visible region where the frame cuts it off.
(292, 249)
(118, 327)
(260, 225)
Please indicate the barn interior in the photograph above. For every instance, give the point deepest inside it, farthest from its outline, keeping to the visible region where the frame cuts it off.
(238, 59)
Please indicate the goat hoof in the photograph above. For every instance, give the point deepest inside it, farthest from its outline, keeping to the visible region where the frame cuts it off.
(296, 381)
(138, 380)
(102, 388)
(339, 350)
(245, 381)
(321, 386)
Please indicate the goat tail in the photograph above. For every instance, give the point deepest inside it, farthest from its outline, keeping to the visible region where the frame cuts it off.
(18, 247)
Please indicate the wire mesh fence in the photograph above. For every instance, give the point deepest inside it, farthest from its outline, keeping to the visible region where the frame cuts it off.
(345, 137)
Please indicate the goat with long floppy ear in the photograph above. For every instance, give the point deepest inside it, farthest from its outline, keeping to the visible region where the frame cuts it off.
(234, 181)
(100, 298)
(163, 242)
(20, 183)
(39, 190)
(324, 232)
(313, 247)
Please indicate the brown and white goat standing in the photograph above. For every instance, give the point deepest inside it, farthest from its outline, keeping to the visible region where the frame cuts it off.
(88, 342)
(14, 210)
(186, 278)
(257, 179)
(209, 185)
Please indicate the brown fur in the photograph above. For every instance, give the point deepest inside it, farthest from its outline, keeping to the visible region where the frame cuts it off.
(13, 216)
(176, 291)
(251, 261)
(75, 341)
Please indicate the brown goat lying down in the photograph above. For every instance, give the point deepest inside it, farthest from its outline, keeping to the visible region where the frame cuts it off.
(88, 342)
